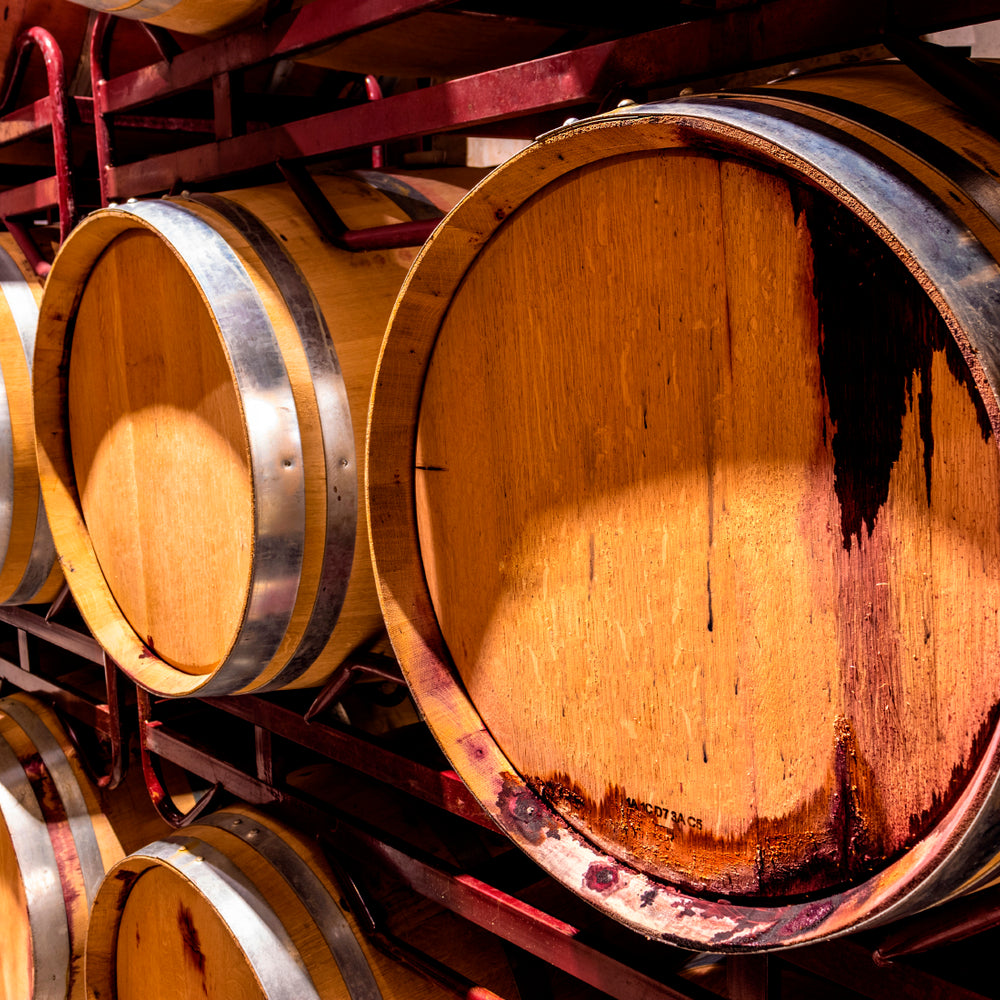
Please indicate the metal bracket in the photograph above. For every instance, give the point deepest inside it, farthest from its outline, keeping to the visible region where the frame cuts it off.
(334, 229)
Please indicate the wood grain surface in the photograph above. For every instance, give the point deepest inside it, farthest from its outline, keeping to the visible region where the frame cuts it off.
(160, 453)
(697, 543)
(727, 520)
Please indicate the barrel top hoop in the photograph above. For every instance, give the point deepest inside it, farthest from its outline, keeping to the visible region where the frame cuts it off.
(917, 224)
(272, 431)
(935, 245)
(333, 925)
(980, 187)
(57, 763)
(335, 424)
(271, 424)
(263, 939)
(29, 835)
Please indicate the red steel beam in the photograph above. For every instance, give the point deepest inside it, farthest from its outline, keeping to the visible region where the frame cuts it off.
(537, 932)
(725, 42)
(315, 24)
(444, 789)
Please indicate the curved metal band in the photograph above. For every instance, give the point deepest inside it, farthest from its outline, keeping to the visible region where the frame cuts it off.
(36, 859)
(965, 276)
(11, 284)
(917, 217)
(137, 8)
(335, 425)
(975, 182)
(264, 941)
(332, 923)
(77, 813)
(405, 196)
(272, 430)
(42, 557)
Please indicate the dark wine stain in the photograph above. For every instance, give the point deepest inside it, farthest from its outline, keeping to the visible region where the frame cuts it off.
(190, 939)
(878, 329)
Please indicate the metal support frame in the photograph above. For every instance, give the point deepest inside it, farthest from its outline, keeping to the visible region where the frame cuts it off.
(52, 112)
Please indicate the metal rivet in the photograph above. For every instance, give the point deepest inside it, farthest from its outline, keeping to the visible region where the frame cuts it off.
(626, 103)
(570, 121)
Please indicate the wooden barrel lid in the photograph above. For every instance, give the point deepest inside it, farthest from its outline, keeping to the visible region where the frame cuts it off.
(705, 492)
(235, 905)
(160, 452)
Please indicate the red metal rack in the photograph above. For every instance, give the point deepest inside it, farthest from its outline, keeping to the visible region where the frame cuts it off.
(65, 665)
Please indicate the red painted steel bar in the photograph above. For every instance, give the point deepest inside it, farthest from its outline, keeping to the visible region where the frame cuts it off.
(440, 788)
(58, 635)
(58, 114)
(318, 22)
(537, 932)
(946, 925)
(780, 29)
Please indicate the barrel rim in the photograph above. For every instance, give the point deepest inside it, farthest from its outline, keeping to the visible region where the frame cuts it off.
(854, 174)
(275, 446)
(336, 430)
(221, 881)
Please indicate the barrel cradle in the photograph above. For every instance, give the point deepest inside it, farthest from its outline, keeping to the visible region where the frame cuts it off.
(204, 367)
(698, 586)
(28, 569)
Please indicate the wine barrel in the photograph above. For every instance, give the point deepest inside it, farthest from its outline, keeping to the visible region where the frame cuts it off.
(200, 433)
(56, 842)
(28, 569)
(699, 586)
(235, 905)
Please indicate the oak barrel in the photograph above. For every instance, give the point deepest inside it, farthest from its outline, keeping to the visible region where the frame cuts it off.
(237, 904)
(203, 370)
(28, 569)
(684, 497)
(57, 839)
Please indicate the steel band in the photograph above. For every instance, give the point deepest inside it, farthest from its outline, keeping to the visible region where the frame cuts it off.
(332, 923)
(36, 859)
(261, 936)
(77, 812)
(272, 432)
(335, 425)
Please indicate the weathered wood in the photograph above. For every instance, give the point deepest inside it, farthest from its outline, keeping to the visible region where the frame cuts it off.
(707, 564)
(201, 451)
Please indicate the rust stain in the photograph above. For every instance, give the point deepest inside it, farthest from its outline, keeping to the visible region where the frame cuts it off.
(602, 876)
(519, 813)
